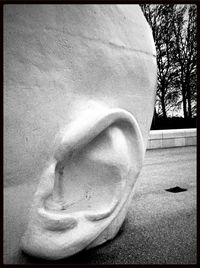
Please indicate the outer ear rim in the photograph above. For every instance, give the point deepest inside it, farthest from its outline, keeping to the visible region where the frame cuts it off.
(78, 134)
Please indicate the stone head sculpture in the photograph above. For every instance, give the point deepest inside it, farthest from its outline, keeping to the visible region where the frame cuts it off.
(79, 98)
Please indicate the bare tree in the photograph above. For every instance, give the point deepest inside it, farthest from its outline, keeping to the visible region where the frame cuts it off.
(174, 32)
(185, 53)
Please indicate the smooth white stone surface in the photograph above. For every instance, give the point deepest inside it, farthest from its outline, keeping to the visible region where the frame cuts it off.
(155, 134)
(153, 144)
(171, 138)
(173, 133)
(85, 74)
(190, 132)
(179, 142)
(191, 141)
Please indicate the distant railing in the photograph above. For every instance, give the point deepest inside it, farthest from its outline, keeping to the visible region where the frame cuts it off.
(172, 138)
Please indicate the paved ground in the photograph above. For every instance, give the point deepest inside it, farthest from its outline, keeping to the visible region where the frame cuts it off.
(160, 227)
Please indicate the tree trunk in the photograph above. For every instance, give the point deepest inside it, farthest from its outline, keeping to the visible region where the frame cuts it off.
(187, 87)
(189, 102)
(153, 124)
(184, 101)
(163, 104)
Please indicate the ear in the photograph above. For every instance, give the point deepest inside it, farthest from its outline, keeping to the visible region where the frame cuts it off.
(93, 150)
(90, 179)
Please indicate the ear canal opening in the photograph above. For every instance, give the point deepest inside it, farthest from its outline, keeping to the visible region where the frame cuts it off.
(93, 162)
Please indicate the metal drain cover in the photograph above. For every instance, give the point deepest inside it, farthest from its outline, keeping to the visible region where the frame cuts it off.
(176, 189)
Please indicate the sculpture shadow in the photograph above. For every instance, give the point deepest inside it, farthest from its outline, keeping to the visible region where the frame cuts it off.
(176, 189)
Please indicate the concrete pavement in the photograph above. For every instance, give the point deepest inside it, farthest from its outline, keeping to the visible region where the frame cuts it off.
(160, 227)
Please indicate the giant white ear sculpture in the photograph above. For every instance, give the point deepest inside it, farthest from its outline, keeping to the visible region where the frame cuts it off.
(88, 73)
(84, 193)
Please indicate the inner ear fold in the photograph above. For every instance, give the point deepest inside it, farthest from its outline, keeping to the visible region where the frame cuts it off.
(97, 161)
